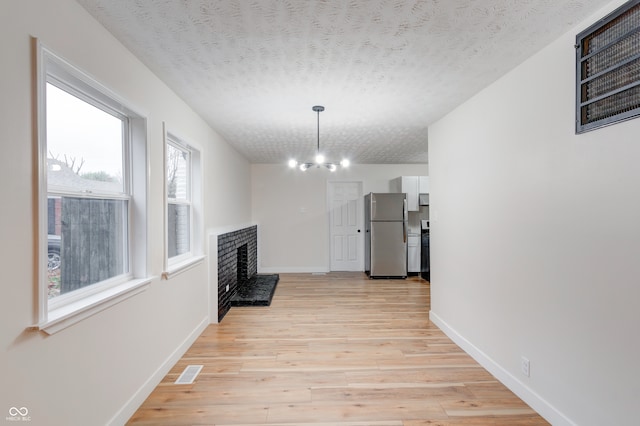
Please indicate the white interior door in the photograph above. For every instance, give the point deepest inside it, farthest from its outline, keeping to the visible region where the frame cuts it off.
(345, 224)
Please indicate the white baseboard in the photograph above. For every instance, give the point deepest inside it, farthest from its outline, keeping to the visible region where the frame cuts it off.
(535, 401)
(294, 270)
(130, 407)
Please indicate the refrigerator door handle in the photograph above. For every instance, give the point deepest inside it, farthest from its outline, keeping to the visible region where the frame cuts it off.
(404, 220)
(404, 231)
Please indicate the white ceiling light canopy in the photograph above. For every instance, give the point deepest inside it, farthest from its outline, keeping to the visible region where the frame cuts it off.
(320, 158)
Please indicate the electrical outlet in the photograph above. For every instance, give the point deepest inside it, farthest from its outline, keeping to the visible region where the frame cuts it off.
(227, 288)
(525, 366)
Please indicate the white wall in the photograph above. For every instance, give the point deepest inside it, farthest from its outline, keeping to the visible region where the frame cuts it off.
(100, 368)
(290, 208)
(535, 236)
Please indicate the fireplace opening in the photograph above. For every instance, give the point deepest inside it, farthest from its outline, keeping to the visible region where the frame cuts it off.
(242, 264)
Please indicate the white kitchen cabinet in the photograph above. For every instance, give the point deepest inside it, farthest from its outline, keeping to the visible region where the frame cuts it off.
(408, 185)
(423, 184)
(413, 253)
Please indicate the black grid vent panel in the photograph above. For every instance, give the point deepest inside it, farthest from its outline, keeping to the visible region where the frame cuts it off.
(613, 31)
(612, 80)
(608, 76)
(612, 56)
(622, 102)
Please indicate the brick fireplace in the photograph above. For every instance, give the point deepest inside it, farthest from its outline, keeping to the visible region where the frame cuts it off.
(237, 261)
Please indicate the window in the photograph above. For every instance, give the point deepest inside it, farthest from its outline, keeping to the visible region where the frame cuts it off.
(91, 201)
(608, 69)
(178, 200)
(85, 183)
(182, 183)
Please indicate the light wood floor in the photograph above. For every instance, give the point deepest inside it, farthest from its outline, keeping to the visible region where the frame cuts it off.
(340, 350)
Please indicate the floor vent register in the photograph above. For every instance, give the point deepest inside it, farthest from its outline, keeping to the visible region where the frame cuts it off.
(189, 375)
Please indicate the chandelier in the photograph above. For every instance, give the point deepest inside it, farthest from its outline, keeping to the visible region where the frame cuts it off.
(319, 160)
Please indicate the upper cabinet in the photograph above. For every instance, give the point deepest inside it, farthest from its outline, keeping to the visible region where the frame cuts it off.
(412, 186)
(423, 184)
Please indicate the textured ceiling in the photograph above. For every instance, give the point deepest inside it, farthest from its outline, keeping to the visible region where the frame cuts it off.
(383, 69)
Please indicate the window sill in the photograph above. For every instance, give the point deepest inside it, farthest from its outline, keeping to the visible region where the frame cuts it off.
(65, 316)
(183, 266)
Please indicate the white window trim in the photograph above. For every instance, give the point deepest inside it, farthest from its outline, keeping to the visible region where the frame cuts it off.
(195, 256)
(53, 317)
(180, 267)
(72, 313)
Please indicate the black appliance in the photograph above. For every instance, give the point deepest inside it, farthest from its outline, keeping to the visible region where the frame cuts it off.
(425, 269)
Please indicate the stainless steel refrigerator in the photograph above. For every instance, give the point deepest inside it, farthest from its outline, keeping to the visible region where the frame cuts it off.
(385, 218)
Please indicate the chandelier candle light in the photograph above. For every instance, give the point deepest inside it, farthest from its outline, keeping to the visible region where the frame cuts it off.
(319, 160)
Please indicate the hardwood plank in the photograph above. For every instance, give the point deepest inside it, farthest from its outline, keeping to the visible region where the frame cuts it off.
(336, 349)
(203, 415)
(365, 423)
(454, 374)
(323, 411)
(381, 393)
(483, 421)
(489, 407)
